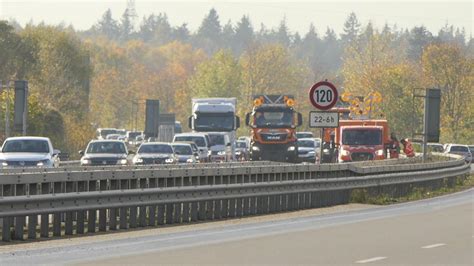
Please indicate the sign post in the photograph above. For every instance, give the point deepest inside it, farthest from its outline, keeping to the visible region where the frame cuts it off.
(323, 96)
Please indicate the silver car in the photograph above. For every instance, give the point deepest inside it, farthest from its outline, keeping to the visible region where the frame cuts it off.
(105, 152)
(28, 152)
(154, 153)
(307, 150)
(184, 153)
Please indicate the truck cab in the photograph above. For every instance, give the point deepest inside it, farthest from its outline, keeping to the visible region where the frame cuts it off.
(361, 143)
(273, 122)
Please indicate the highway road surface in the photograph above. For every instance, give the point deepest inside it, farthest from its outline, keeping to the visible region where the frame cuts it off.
(433, 231)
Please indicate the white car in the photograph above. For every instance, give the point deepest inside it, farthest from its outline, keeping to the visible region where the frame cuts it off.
(28, 152)
(201, 140)
(307, 150)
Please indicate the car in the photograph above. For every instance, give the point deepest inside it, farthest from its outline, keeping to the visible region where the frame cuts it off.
(307, 150)
(154, 153)
(301, 135)
(105, 152)
(103, 132)
(132, 136)
(435, 147)
(184, 152)
(28, 152)
(242, 150)
(200, 139)
(221, 150)
(459, 149)
(112, 136)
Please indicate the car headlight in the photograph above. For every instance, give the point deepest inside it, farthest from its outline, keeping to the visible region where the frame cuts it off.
(379, 152)
(238, 153)
(122, 161)
(169, 160)
(221, 153)
(138, 160)
(42, 162)
(255, 148)
(345, 152)
(190, 160)
(85, 161)
(325, 150)
(209, 153)
(3, 163)
(312, 152)
(291, 148)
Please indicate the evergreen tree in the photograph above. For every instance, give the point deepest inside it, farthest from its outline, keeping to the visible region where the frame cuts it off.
(418, 39)
(108, 26)
(209, 33)
(283, 35)
(228, 35)
(181, 33)
(351, 29)
(244, 35)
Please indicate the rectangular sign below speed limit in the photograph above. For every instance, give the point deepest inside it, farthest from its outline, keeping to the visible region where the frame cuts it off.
(323, 119)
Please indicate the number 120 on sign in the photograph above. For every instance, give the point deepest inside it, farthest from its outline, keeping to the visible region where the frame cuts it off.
(323, 119)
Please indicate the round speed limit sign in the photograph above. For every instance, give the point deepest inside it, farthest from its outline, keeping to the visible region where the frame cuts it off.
(323, 95)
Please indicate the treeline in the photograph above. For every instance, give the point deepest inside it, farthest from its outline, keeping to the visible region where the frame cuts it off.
(101, 77)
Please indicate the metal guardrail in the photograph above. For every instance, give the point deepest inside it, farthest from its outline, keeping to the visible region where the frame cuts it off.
(69, 202)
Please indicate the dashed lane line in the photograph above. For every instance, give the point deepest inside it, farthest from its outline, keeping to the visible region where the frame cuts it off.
(434, 245)
(370, 260)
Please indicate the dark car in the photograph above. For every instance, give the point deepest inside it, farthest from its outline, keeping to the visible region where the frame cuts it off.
(105, 152)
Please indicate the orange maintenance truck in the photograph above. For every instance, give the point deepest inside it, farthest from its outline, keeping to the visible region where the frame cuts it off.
(273, 123)
(359, 140)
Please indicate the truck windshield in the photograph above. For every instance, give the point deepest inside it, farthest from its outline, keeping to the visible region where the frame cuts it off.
(214, 122)
(274, 119)
(26, 145)
(361, 137)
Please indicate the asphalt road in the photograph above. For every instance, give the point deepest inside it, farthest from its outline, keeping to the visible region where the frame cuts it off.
(433, 231)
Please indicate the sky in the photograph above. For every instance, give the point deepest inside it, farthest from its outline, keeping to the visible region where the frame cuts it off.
(82, 14)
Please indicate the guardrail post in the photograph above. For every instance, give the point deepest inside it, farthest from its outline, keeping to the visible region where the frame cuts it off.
(91, 223)
(44, 228)
(161, 214)
(103, 212)
(32, 219)
(57, 224)
(114, 185)
(6, 229)
(123, 218)
(133, 217)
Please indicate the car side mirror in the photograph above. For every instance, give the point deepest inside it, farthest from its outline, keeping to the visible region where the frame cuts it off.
(300, 119)
(228, 144)
(56, 152)
(237, 122)
(81, 152)
(247, 119)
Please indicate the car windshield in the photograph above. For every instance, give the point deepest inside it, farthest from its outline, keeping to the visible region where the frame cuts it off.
(214, 122)
(216, 139)
(459, 149)
(105, 132)
(182, 149)
(436, 148)
(26, 145)
(361, 137)
(199, 140)
(269, 119)
(304, 135)
(306, 143)
(241, 144)
(106, 147)
(133, 135)
(155, 148)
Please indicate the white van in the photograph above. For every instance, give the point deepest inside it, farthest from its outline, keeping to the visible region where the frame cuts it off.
(201, 140)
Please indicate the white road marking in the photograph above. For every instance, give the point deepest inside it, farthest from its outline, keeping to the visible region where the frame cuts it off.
(371, 260)
(434, 245)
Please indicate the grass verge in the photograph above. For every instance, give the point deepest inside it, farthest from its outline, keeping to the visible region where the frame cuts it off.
(416, 193)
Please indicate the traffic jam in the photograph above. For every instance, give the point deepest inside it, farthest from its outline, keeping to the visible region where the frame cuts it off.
(347, 128)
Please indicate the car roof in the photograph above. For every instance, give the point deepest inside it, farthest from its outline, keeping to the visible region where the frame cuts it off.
(181, 144)
(28, 137)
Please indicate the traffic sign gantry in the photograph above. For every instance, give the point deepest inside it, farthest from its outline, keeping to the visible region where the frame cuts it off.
(323, 95)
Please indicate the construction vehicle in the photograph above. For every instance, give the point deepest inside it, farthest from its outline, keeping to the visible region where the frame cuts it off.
(359, 137)
(216, 115)
(273, 122)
